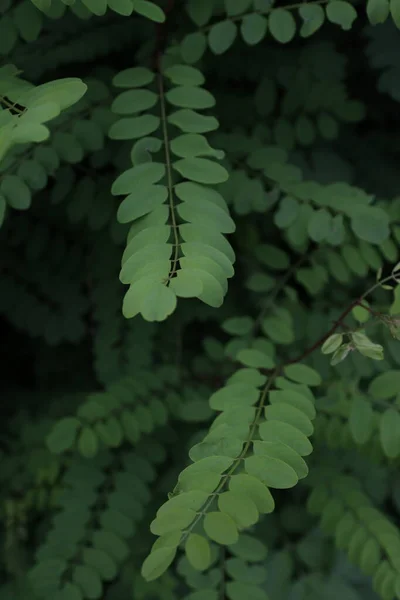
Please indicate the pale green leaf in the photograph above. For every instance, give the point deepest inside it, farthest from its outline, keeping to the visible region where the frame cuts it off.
(254, 489)
(282, 25)
(63, 435)
(273, 472)
(378, 11)
(255, 358)
(332, 343)
(157, 563)
(313, 17)
(150, 10)
(341, 13)
(303, 374)
(370, 223)
(198, 551)
(221, 528)
(221, 36)
(361, 419)
(385, 386)
(201, 170)
(288, 434)
(389, 432)
(253, 28)
(240, 507)
(88, 442)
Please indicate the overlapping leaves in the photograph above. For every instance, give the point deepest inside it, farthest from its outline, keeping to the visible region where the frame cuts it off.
(176, 245)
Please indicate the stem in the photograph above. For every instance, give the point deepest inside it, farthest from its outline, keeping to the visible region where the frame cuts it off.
(238, 459)
(262, 12)
(169, 176)
(339, 322)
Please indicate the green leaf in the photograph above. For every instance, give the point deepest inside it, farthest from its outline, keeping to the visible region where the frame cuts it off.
(15, 191)
(378, 11)
(370, 557)
(187, 284)
(88, 442)
(303, 374)
(193, 47)
(191, 145)
(332, 343)
(149, 10)
(313, 17)
(237, 394)
(134, 127)
(122, 7)
(254, 489)
(240, 507)
(192, 97)
(133, 77)
(193, 500)
(288, 434)
(88, 580)
(361, 420)
(389, 432)
(237, 7)
(273, 472)
(366, 347)
(97, 7)
(132, 207)
(110, 432)
(289, 414)
(341, 13)
(361, 314)
(221, 36)
(249, 548)
(62, 436)
(201, 170)
(158, 302)
(282, 25)
(111, 544)
(200, 12)
(341, 353)
(101, 562)
(395, 12)
(221, 528)
(133, 101)
(237, 590)
(175, 519)
(253, 28)
(198, 551)
(190, 121)
(278, 329)
(184, 75)
(238, 325)
(139, 177)
(319, 225)
(370, 223)
(3, 208)
(282, 452)
(157, 563)
(294, 398)
(255, 358)
(385, 386)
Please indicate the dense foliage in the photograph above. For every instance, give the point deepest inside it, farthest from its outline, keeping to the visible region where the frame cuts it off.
(200, 317)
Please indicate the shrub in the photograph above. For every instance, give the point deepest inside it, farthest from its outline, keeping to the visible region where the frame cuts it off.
(199, 300)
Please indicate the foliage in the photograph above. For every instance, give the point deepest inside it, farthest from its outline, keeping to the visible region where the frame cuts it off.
(200, 309)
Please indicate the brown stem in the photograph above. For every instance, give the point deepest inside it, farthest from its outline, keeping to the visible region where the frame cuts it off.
(161, 37)
(322, 339)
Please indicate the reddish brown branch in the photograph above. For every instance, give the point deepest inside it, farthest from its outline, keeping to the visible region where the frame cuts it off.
(322, 339)
(161, 37)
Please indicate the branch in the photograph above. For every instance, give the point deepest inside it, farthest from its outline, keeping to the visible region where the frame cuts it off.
(161, 37)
